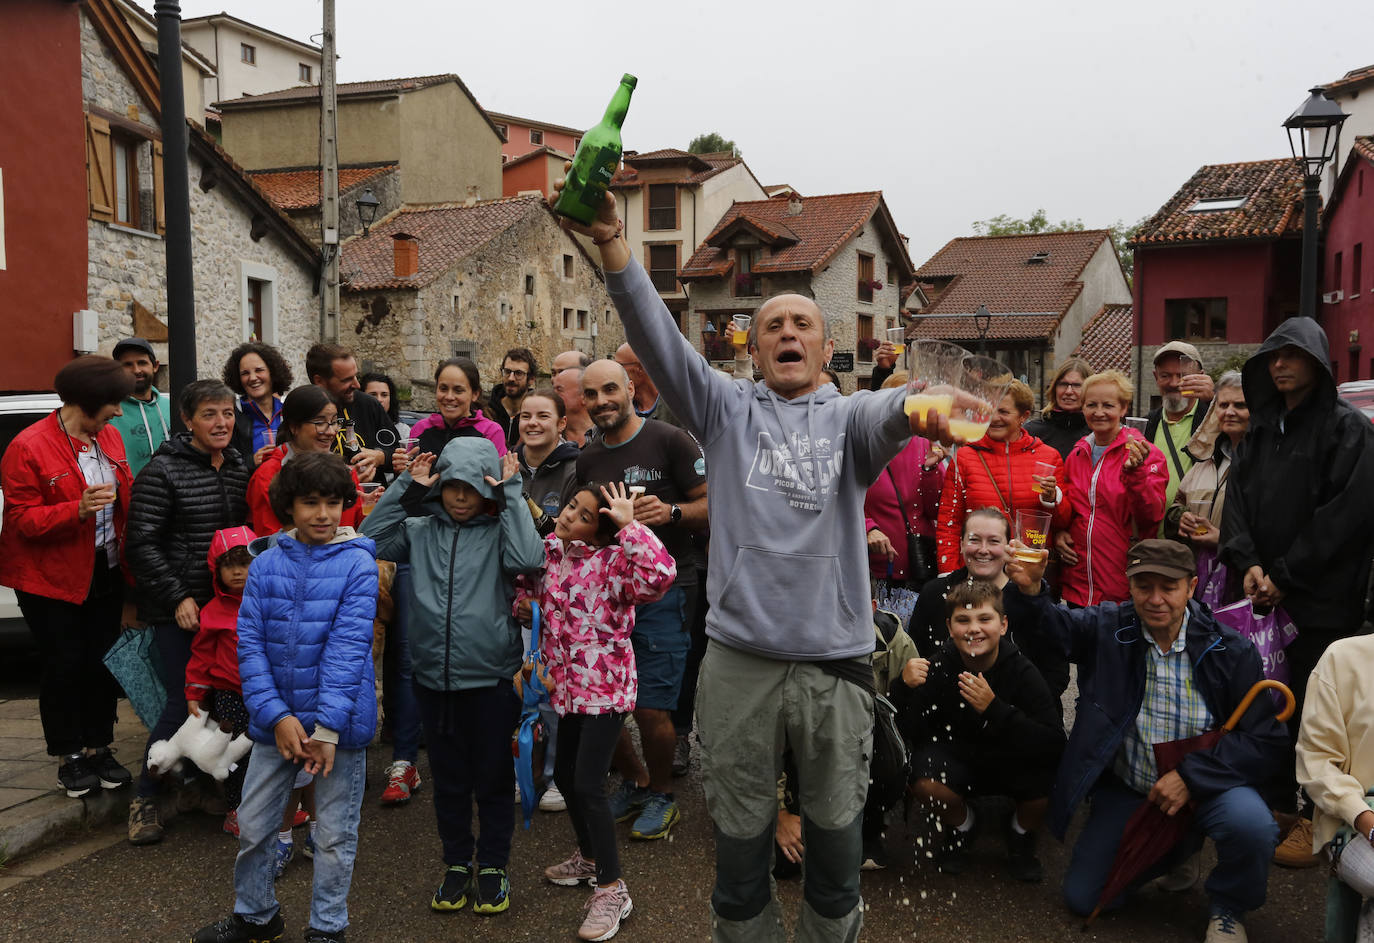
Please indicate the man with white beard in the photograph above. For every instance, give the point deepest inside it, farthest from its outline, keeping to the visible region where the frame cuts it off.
(1186, 392)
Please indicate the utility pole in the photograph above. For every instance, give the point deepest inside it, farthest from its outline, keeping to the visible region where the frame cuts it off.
(329, 183)
(176, 201)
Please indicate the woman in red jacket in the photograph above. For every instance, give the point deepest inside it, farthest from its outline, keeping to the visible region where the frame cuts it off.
(66, 499)
(998, 471)
(1113, 484)
(309, 423)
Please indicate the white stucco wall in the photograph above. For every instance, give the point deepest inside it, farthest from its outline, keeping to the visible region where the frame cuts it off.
(1103, 283)
(277, 67)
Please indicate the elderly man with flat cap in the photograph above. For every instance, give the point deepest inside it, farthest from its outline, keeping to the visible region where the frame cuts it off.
(1154, 669)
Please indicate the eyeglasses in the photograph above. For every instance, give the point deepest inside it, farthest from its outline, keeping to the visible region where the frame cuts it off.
(514, 373)
(324, 425)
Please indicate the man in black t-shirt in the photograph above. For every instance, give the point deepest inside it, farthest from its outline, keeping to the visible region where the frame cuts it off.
(668, 465)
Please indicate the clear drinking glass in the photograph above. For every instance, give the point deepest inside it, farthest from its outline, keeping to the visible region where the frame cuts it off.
(934, 369)
(982, 384)
(896, 336)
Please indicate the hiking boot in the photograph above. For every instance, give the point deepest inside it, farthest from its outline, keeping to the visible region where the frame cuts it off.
(606, 908)
(1021, 860)
(231, 822)
(1225, 927)
(875, 855)
(235, 929)
(212, 801)
(402, 781)
(1295, 851)
(285, 852)
(145, 821)
(453, 891)
(682, 755)
(110, 773)
(324, 936)
(627, 800)
(76, 776)
(660, 814)
(552, 800)
(576, 870)
(492, 891)
(1183, 876)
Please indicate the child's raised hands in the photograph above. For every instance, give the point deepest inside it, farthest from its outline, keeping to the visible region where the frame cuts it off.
(422, 469)
(622, 506)
(510, 467)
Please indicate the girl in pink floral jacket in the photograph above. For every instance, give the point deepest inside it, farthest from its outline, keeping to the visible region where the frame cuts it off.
(593, 580)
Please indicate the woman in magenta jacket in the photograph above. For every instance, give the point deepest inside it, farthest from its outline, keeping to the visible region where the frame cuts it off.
(1114, 483)
(916, 475)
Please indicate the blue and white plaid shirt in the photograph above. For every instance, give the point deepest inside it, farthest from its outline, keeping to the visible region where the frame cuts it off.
(1173, 709)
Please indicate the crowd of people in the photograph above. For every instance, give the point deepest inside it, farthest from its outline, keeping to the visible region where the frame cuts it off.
(291, 535)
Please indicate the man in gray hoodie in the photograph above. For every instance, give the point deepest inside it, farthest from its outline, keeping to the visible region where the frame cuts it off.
(790, 622)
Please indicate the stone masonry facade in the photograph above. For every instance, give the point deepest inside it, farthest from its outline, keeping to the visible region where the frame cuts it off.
(1213, 355)
(479, 307)
(128, 265)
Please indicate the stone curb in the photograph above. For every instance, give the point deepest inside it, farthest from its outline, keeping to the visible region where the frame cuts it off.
(47, 820)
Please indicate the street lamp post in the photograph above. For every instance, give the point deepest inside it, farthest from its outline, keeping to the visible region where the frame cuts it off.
(982, 320)
(367, 204)
(1314, 137)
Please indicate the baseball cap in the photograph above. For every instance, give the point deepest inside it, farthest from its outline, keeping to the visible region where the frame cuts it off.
(134, 343)
(1164, 557)
(1182, 348)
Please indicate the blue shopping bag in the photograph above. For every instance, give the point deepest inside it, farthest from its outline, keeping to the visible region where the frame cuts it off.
(531, 729)
(134, 662)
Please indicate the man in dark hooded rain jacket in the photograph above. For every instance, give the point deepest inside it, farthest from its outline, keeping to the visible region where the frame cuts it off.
(1299, 519)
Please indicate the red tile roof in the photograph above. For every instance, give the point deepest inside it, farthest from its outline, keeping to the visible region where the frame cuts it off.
(1273, 205)
(539, 151)
(300, 189)
(1108, 338)
(821, 229)
(697, 167)
(446, 232)
(1365, 146)
(1354, 79)
(384, 87)
(995, 271)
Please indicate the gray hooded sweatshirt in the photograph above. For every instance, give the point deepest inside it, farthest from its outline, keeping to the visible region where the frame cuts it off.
(788, 575)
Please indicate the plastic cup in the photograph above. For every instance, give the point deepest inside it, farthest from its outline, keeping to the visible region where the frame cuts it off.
(1201, 508)
(934, 369)
(637, 491)
(269, 436)
(896, 336)
(1042, 470)
(982, 384)
(1032, 530)
(739, 324)
(372, 493)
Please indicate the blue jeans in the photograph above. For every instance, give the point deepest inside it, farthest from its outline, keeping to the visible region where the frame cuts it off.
(398, 697)
(174, 651)
(1238, 821)
(338, 798)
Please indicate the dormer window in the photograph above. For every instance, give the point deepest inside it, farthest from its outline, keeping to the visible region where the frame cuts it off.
(1039, 258)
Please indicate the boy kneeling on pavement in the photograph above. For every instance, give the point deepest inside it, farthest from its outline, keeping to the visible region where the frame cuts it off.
(982, 722)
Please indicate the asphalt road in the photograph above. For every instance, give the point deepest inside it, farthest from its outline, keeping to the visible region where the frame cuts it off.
(165, 892)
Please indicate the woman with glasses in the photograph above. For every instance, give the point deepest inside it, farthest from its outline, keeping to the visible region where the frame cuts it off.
(309, 423)
(1061, 423)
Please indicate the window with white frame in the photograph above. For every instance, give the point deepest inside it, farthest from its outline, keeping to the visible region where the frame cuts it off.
(258, 301)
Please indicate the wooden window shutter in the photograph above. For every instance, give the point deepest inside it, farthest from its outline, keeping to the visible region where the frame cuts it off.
(159, 213)
(99, 168)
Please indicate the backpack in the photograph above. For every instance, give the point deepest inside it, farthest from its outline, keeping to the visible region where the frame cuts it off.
(890, 768)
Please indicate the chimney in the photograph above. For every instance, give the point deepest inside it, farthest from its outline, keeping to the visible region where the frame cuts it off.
(473, 196)
(794, 205)
(406, 255)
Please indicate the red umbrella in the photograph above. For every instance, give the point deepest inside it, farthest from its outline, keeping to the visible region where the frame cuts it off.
(1150, 834)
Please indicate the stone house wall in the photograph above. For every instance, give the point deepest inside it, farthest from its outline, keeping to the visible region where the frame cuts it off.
(127, 266)
(479, 308)
(1214, 355)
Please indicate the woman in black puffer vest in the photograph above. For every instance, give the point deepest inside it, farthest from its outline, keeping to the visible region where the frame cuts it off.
(196, 484)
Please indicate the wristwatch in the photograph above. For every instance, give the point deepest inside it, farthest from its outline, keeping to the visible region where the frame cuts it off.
(675, 515)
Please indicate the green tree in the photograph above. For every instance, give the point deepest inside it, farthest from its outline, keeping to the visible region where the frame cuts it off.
(710, 143)
(1038, 222)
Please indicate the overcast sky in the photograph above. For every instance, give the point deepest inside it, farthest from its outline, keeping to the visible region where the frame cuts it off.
(957, 112)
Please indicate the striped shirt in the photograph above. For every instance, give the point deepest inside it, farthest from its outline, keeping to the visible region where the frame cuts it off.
(1172, 709)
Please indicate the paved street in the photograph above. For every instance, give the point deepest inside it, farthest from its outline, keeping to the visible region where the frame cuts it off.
(99, 888)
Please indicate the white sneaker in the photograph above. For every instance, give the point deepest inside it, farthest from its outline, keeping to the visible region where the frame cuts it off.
(1225, 927)
(1183, 877)
(552, 800)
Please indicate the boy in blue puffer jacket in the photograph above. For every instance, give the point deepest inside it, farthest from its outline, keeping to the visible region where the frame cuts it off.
(305, 657)
(464, 555)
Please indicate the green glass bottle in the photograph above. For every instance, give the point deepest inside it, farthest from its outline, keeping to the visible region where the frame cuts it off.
(596, 160)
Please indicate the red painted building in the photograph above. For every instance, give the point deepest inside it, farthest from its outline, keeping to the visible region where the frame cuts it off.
(1347, 280)
(1219, 264)
(43, 197)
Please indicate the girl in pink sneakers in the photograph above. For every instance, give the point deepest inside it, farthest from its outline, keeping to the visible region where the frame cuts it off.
(601, 564)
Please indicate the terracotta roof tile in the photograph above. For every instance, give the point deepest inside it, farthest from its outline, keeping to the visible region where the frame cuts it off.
(1272, 190)
(539, 151)
(1364, 145)
(1012, 327)
(697, 167)
(446, 232)
(300, 189)
(1355, 78)
(1108, 338)
(823, 226)
(995, 271)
